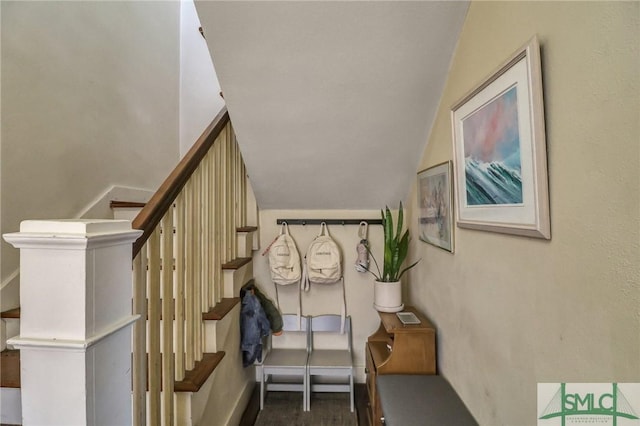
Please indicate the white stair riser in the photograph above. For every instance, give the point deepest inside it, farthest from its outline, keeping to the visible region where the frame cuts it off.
(183, 408)
(234, 279)
(256, 239)
(126, 213)
(211, 336)
(10, 328)
(245, 243)
(10, 402)
(216, 333)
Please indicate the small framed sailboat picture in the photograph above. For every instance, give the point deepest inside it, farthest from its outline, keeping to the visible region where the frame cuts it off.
(500, 155)
(434, 201)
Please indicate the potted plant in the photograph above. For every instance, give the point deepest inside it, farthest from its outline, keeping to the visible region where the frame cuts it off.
(387, 288)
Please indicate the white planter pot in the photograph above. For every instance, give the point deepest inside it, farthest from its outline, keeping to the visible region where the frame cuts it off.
(387, 297)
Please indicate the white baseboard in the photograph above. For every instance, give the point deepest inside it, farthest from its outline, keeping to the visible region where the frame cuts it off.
(241, 404)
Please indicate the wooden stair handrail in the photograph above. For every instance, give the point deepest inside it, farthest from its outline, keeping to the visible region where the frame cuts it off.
(161, 201)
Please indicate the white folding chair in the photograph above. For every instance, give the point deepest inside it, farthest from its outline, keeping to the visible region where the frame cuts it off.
(286, 358)
(330, 363)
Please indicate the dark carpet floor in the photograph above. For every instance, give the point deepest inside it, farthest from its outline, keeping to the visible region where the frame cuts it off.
(327, 409)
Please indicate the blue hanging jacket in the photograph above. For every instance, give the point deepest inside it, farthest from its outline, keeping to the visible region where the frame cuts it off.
(254, 325)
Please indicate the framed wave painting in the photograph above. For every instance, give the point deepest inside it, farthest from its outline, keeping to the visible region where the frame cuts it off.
(500, 155)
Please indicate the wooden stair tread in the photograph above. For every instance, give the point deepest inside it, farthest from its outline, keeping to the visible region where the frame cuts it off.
(10, 368)
(236, 263)
(11, 313)
(246, 229)
(221, 309)
(114, 204)
(194, 379)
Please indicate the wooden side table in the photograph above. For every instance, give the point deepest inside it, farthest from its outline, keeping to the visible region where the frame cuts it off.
(396, 348)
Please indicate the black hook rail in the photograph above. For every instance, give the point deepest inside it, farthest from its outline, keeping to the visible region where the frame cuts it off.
(304, 222)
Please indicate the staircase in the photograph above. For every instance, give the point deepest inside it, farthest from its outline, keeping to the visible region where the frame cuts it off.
(193, 275)
(10, 370)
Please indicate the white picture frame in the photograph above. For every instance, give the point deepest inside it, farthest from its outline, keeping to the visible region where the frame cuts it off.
(500, 156)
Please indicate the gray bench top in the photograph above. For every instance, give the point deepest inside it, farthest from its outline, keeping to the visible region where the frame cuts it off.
(420, 400)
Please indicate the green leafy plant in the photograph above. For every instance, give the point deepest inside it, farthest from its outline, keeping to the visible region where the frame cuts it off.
(396, 248)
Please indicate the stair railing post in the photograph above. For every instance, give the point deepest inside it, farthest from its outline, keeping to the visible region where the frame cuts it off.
(76, 320)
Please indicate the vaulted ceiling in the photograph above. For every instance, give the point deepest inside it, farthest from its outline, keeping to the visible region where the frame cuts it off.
(332, 102)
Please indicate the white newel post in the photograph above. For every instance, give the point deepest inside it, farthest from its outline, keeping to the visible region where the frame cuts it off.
(75, 325)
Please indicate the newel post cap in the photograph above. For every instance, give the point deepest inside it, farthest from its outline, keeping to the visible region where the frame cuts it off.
(72, 233)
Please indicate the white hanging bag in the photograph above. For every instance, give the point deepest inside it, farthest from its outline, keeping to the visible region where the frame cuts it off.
(284, 264)
(284, 259)
(362, 262)
(323, 261)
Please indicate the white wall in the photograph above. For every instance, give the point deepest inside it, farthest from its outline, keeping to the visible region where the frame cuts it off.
(200, 101)
(90, 99)
(326, 299)
(348, 85)
(514, 311)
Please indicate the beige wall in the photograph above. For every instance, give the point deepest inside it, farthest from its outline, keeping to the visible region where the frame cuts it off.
(89, 100)
(200, 100)
(513, 311)
(326, 299)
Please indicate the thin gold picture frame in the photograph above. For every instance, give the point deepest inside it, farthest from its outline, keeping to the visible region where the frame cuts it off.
(435, 204)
